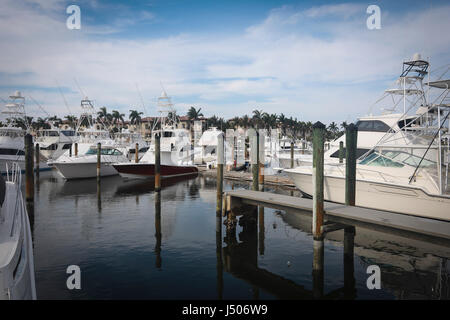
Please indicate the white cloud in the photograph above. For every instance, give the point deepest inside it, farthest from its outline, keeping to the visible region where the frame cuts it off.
(304, 69)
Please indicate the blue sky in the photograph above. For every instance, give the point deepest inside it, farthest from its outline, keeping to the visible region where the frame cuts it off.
(314, 60)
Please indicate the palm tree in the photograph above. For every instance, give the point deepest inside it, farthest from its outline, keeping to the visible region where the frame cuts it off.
(194, 114)
(257, 118)
(104, 116)
(135, 117)
(117, 117)
(332, 130)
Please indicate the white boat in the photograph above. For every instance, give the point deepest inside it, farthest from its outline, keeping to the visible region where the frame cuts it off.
(54, 142)
(85, 166)
(126, 142)
(207, 145)
(17, 280)
(83, 163)
(176, 154)
(408, 170)
(12, 142)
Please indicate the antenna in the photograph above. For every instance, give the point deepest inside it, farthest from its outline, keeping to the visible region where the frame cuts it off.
(142, 100)
(40, 107)
(65, 102)
(79, 88)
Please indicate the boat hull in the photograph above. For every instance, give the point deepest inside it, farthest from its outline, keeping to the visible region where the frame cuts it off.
(80, 170)
(377, 195)
(145, 170)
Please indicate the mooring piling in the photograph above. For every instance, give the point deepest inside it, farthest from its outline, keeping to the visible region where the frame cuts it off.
(351, 135)
(318, 270)
(76, 149)
(37, 153)
(341, 152)
(29, 169)
(220, 161)
(261, 156)
(99, 159)
(157, 163)
(253, 137)
(136, 153)
(70, 151)
(292, 154)
(318, 160)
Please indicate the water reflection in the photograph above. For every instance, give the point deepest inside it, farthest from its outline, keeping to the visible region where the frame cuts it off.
(115, 244)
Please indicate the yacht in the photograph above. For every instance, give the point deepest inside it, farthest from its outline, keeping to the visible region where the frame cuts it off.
(208, 145)
(175, 148)
(54, 142)
(12, 142)
(85, 166)
(82, 163)
(126, 142)
(17, 281)
(407, 171)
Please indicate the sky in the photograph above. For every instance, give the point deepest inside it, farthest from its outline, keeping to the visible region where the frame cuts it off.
(312, 60)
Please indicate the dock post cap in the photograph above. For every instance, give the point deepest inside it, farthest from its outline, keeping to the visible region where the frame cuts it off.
(318, 125)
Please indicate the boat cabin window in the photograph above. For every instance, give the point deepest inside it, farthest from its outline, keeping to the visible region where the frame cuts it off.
(372, 125)
(68, 133)
(12, 152)
(67, 146)
(168, 134)
(53, 146)
(104, 152)
(408, 158)
(376, 159)
(359, 152)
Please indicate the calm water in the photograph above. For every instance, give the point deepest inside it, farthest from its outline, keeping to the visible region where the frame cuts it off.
(129, 248)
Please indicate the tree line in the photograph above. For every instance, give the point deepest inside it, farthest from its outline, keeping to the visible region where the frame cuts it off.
(289, 126)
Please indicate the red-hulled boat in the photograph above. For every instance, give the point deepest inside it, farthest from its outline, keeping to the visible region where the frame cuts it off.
(145, 170)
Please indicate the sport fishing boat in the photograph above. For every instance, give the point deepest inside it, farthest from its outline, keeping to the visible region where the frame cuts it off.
(54, 142)
(408, 170)
(17, 280)
(12, 142)
(85, 166)
(126, 142)
(175, 148)
(83, 162)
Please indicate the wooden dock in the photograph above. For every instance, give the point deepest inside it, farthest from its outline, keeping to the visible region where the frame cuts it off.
(403, 224)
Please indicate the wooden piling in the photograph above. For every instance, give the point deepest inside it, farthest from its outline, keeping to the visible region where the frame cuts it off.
(220, 161)
(136, 153)
(254, 159)
(76, 149)
(341, 152)
(70, 151)
(318, 160)
(29, 169)
(37, 159)
(292, 154)
(351, 135)
(99, 159)
(261, 157)
(157, 163)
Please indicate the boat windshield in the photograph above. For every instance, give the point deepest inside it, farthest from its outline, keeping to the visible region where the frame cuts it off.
(104, 151)
(376, 159)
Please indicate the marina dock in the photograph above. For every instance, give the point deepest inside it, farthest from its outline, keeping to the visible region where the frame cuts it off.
(434, 230)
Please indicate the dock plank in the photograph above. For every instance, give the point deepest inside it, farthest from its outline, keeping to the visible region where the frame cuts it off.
(415, 224)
